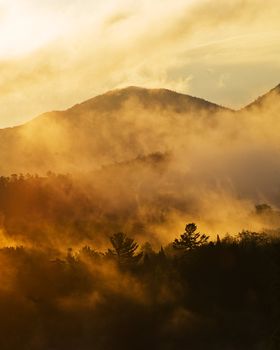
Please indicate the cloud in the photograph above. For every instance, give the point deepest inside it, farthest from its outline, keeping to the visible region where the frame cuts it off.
(116, 18)
(163, 44)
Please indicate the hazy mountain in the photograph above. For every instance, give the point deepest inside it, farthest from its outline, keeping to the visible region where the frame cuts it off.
(155, 157)
(117, 126)
(271, 99)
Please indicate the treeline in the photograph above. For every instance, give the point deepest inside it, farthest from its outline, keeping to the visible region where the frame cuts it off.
(62, 209)
(192, 294)
(57, 208)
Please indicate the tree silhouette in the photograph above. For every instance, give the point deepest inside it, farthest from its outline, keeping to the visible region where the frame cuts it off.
(263, 208)
(252, 238)
(124, 249)
(190, 239)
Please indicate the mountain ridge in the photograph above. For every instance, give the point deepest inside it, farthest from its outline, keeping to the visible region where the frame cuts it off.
(117, 126)
(141, 92)
(168, 97)
(260, 100)
(119, 96)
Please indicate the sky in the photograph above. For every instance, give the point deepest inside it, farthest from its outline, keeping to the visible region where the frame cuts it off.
(54, 54)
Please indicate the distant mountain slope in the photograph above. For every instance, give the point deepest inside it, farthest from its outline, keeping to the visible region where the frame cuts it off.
(116, 126)
(270, 99)
(149, 98)
(153, 156)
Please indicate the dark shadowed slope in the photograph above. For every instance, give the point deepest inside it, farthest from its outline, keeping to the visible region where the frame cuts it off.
(148, 98)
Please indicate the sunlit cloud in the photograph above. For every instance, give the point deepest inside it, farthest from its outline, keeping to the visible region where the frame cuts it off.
(55, 54)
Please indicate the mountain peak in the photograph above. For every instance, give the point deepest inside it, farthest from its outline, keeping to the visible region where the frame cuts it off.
(114, 100)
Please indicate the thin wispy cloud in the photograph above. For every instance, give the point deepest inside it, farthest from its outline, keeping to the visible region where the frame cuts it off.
(53, 55)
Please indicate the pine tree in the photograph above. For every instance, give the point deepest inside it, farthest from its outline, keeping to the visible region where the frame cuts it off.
(124, 249)
(190, 239)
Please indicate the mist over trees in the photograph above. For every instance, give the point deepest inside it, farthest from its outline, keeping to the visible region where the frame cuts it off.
(221, 294)
(58, 210)
(139, 218)
(100, 259)
(74, 276)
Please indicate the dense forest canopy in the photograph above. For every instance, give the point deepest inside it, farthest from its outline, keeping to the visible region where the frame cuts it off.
(214, 294)
(71, 278)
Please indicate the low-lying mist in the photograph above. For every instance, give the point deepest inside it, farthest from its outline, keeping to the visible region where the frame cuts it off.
(142, 161)
(93, 201)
